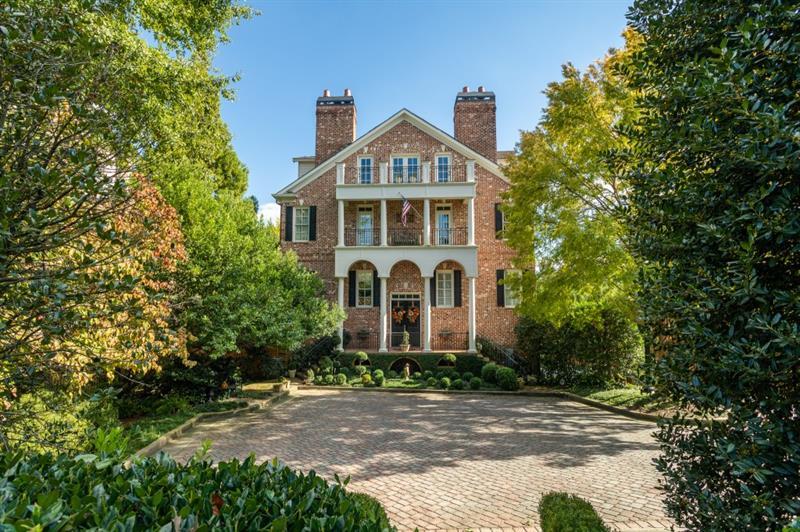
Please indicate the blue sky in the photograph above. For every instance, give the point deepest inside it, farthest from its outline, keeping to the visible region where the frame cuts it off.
(392, 55)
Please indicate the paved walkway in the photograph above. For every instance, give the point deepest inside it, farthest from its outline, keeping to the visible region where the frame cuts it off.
(455, 462)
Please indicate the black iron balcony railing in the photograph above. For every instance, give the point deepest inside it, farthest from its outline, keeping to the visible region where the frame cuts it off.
(363, 340)
(361, 175)
(405, 174)
(452, 236)
(448, 173)
(450, 341)
(362, 237)
(404, 236)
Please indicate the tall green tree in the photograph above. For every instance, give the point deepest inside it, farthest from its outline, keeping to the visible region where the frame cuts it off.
(714, 220)
(564, 197)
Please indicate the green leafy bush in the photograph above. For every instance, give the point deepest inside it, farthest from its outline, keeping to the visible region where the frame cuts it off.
(50, 493)
(378, 377)
(361, 370)
(366, 379)
(430, 382)
(475, 383)
(392, 374)
(561, 512)
(319, 380)
(329, 379)
(457, 384)
(427, 374)
(341, 379)
(416, 376)
(448, 359)
(444, 383)
(489, 373)
(467, 376)
(172, 404)
(360, 358)
(507, 378)
(591, 347)
(310, 375)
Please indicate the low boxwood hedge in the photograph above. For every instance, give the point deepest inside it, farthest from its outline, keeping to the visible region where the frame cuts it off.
(426, 361)
(101, 493)
(562, 512)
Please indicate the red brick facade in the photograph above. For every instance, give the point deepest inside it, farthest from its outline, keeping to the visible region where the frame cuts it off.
(447, 324)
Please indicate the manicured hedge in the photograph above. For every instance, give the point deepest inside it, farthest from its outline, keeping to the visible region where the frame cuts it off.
(98, 492)
(562, 512)
(428, 362)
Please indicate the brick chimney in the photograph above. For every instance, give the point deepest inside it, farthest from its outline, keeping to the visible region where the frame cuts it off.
(475, 120)
(336, 123)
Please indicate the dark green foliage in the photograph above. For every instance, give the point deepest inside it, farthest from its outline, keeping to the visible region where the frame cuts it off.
(457, 384)
(328, 379)
(444, 383)
(600, 348)
(448, 359)
(427, 362)
(416, 375)
(489, 373)
(507, 379)
(475, 383)
(431, 382)
(341, 379)
(155, 492)
(427, 374)
(561, 512)
(378, 377)
(467, 376)
(319, 380)
(392, 374)
(714, 218)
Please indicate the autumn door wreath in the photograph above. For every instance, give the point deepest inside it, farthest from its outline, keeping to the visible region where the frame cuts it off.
(397, 314)
(412, 313)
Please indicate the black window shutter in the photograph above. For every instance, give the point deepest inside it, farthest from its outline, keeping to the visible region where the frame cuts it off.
(433, 290)
(501, 289)
(457, 288)
(289, 223)
(351, 289)
(312, 223)
(498, 221)
(376, 289)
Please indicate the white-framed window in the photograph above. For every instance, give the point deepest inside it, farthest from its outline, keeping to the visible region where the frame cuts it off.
(444, 288)
(405, 169)
(365, 170)
(301, 224)
(364, 288)
(364, 232)
(443, 226)
(443, 168)
(511, 294)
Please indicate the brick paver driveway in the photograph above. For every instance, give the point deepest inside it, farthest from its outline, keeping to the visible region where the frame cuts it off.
(454, 462)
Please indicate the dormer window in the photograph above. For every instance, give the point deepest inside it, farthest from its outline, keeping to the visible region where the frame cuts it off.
(365, 170)
(442, 168)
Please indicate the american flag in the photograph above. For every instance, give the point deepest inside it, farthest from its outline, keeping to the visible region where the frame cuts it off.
(405, 211)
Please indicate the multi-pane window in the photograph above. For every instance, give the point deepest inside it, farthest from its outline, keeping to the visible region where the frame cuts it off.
(364, 232)
(444, 288)
(512, 298)
(301, 224)
(443, 229)
(405, 169)
(364, 288)
(365, 170)
(442, 168)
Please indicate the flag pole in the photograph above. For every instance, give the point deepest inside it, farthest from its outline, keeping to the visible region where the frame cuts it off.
(409, 202)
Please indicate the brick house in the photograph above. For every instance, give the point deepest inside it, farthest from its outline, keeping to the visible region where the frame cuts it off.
(436, 272)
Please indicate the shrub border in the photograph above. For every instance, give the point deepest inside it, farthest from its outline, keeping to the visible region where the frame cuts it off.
(641, 416)
(162, 441)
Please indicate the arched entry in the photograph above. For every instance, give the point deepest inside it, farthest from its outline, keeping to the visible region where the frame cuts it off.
(405, 304)
(399, 364)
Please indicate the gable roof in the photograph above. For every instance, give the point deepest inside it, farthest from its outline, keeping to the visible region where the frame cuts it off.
(403, 115)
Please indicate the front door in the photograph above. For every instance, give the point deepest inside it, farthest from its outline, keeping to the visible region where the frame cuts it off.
(406, 315)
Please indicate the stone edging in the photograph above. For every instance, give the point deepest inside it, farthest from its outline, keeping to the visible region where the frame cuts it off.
(641, 416)
(161, 442)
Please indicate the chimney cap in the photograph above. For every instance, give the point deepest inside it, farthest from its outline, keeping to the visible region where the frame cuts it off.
(326, 98)
(475, 96)
(465, 89)
(480, 88)
(326, 93)
(347, 92)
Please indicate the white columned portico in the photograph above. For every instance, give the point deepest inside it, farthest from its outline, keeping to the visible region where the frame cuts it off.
(340, 299)
(384, 229)
(426, 324)
(384, 318)
(426, 221)
(471, 222)
(341, 223)
(471, 318)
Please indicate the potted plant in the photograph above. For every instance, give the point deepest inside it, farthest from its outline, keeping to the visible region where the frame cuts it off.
(292, 368)
(405, 343)
(281, 386)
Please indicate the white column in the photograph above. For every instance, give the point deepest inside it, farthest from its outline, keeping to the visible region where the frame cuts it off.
(339, 173)
(340, 296)
(471, 317)
(426, 324)
(384, 229)
(384, 315)
(426, 172)
(471, 222)
(384, 173)
(426, 221)
(470, 171)
(341, 223)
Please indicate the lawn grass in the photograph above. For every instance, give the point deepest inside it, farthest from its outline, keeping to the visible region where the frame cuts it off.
(146, 430)
(630, 397)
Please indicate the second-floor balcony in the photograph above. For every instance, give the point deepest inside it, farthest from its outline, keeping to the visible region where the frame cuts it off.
(405, 174)
(405, 236)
